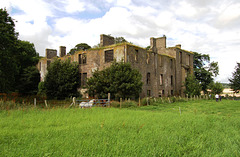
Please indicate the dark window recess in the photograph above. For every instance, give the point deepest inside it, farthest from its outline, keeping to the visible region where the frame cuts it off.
(180, 57)
(171, 92)
(171, 79)
(148, 78)
(149, 93)
(109, 56)
(162, 92)
(136, 55)
(82, 58)
(48, 63)
(171, 63)
(84, 79)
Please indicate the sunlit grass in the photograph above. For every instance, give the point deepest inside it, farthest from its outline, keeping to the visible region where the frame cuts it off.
(194, 128)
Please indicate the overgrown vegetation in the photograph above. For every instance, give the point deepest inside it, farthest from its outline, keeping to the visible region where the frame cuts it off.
(17, 57)
(235, 79)
(62, 80)
(119, 79)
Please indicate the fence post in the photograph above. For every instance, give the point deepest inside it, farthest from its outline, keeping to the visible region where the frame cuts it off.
(45, 101)
(120, 102)
(109, 97)
(74, 101)
(35, 102)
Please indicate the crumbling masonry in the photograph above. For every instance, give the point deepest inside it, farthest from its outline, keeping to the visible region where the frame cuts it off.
(163, 69)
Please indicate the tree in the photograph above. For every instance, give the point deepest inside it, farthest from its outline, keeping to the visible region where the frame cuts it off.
(120, 40)
(78, 47)
(216, 88)
(62, 80)
(119, 79)
(204, 73)
(29, 80)
(16, 55)
(8, 39)
(235, 80)
(192, 85)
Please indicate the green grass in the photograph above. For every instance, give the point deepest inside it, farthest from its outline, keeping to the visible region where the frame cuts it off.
(204, 128)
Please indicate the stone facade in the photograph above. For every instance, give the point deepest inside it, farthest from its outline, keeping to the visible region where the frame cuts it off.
(163, 69)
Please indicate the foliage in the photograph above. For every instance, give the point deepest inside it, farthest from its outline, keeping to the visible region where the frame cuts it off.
(81, 46)
(16, 55)
(204, 128)
(235, 79)
(120, 40)
(192, 85)
(216, 88)
(8, 39)
(119, 79)
(41, 89)
(29, 80)
(204, 73)
(62, 80)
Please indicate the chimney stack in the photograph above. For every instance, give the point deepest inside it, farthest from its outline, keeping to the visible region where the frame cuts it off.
(62, 51)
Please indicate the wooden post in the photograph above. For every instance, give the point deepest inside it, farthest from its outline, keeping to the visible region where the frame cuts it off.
(169, 100)
(74, 101)
(35, 102)
(139, 102)
(180, 110)
(109, 98)
(194, 97)
(45, 101)
(120, 102)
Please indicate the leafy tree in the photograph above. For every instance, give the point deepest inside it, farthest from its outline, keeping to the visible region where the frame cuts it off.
(8, 39)
(120, 40)
(204, 70)
(78, 47)
(16, 55)
(29, 80)
(235, 80)
(62, 80)
(192, 85)
(119, 79)
(216, 88)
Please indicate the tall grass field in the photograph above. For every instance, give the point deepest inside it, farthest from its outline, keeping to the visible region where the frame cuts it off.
(194, 128)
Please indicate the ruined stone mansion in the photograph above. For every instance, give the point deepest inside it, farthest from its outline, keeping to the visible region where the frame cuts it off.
(164, 69)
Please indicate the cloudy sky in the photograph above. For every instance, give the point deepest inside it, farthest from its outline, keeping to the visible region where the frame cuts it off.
(205, 26)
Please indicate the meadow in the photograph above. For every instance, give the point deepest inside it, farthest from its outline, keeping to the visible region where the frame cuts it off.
(193, 128)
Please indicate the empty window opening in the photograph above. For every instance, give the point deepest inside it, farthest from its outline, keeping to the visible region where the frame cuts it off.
(148, 78)
(171, 92)
(136, 55)
(180, 57)
(171, 63)
(82, 58)
(108, 56)
(148, 93)
(171, 79)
